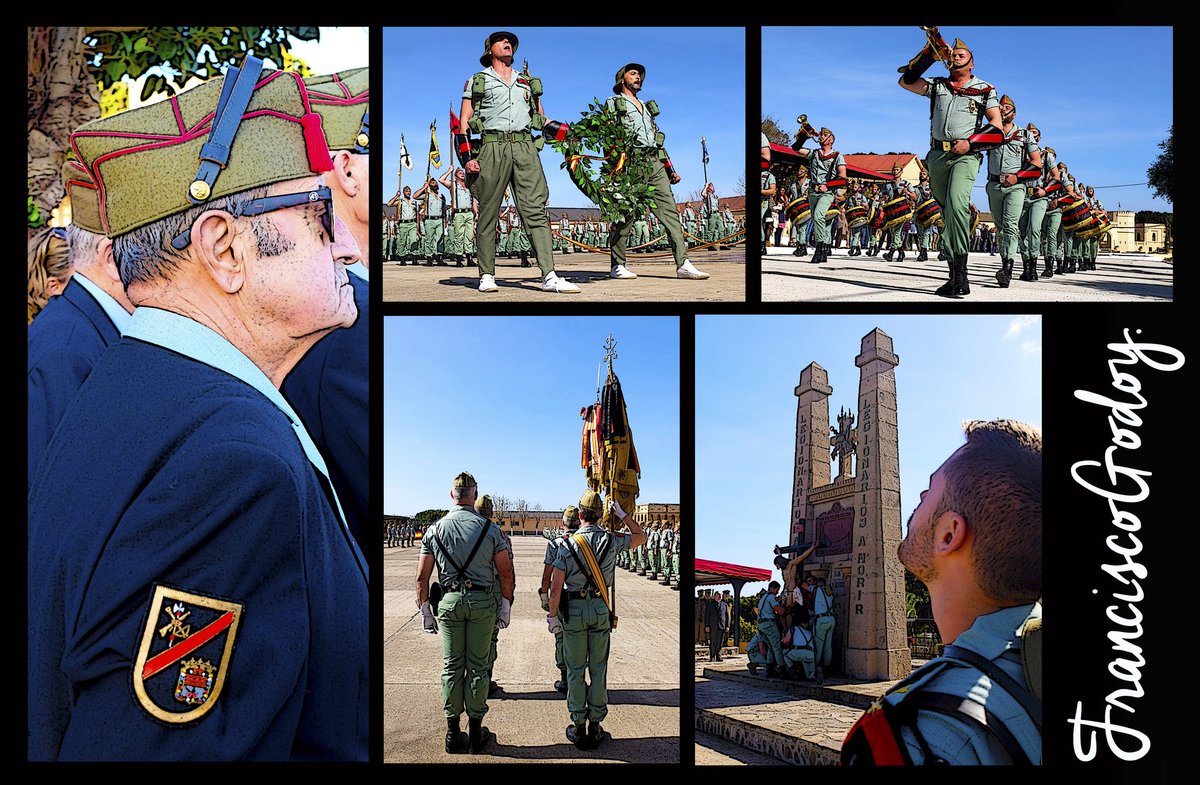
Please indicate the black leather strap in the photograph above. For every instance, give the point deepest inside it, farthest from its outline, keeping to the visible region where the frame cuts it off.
(235, 97)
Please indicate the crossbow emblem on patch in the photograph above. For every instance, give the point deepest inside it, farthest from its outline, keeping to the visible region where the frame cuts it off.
(195, 644)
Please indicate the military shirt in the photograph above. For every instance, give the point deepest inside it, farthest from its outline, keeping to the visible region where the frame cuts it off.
(605, 545)
(822, 601)
(821, 170)
(435, 205)
(637, 120)
(712, 204)
(768, 181)
(955, 116)
(1049, 163)
(801, 638)
(689, 214)
(768, 607)
(408, 209)
(462, 197)
(504, 107)
(1009, 157)
(456, 534)
(794, 191)
(896, 188)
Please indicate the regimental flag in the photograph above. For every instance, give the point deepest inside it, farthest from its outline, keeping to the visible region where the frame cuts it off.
(454, 126)
(609, 459)
(405, 158)
(185, 653)
(435, 157)
(704, 150)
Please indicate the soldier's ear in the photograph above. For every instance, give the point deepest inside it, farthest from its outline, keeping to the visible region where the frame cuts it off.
(346, 173)
(213, 241)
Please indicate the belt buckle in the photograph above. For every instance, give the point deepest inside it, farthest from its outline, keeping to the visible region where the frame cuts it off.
(468, 585)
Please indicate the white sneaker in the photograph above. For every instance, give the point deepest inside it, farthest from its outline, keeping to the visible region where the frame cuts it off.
(688, 271)
(622, 272)
(561, 285)
(487, 283)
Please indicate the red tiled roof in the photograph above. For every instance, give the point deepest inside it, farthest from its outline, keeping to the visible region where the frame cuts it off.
(881, 164)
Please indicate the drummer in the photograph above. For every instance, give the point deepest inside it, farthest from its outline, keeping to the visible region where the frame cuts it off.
(924, 193)
(797, 190)
(876, 207)
(897, 188)
(768, 190)
(856, 199)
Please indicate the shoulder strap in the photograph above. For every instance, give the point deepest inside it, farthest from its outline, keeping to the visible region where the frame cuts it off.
(967, 710)
(461, 573)
(1020, 692)
(593, 567)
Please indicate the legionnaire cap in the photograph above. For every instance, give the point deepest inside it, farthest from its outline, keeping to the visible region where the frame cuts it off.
(571, 512)
(342, 101)
(620, 80)
(484, 506)
(486, 58)
(825, 131)
(960, 44)
(590, 500)
(464, 480)
(244, 130)
(85, 197)
(1006, 101)
(1034, 128)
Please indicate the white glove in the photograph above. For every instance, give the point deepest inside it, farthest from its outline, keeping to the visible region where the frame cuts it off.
(544, 596)
(553, 624)
(615, 506)
(505, 613)
(428, 622)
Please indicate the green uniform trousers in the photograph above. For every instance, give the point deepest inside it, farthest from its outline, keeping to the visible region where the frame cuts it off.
(665, 561)
(466, 621)
(1033, 215)
(585, 651)
(823, 640)
(407, 241)
(896, 237)
(756, 657)
(433, 236)
(803, 658)
(388, 244)
(653, 558)
(951, 178)
(820, 203)
(664, 210)
(675, 566)
(463, 232)
(769, 631)
(1006, 202)
(512, 163)
(922, 238)
(641, 233)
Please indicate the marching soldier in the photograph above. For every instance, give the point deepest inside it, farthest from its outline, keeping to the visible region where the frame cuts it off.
(797, 189)
(638, 117)
(1033, 214)
(503, 106)
(895, 189)
(667, 549)
(472, 558)
(964, 120)
(1052, 223)
(581, 609)
(826, 173)
(407, 240)
(484, 509)
(711, 211)
(923, 231)
(571, 525)
(466, 209)
(432, 216)
(1092, 249)
(1015, 161)
(856, 199)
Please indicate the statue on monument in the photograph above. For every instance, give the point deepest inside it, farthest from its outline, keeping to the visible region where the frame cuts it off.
(843, 442)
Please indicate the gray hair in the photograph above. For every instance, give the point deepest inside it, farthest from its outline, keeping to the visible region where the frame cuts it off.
(84, 246)
(462, 493)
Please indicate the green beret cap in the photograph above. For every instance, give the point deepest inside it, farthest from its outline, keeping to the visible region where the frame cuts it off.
(464, 480)
(342, 100)
(145, 160)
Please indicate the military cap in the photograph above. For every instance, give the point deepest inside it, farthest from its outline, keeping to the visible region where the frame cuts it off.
(571, 512)
(484, 506)
(85, 197)
(1034, 128)
(342, 100)
(485, 59)
(620, 79)
(960, 44)
(591, 501)
(464, 480)
(1005, 100)
(247, 129)
(824, 131)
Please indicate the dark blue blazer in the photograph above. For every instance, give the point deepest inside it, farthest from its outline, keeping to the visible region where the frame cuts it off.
(184, 476)
(330, 390)
(65, 341)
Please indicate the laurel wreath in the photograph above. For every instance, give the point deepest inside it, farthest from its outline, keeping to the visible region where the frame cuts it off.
(620, 187)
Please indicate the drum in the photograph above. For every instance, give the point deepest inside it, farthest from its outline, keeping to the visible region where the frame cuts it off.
(1100, 224)
(1076, 216)
(875, 217)
(896, 212)
(830, 214)
(856, 216)
(928, 211)
(798, 211)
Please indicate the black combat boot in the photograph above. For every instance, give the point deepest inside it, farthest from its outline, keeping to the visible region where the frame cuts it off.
(561, 684)
(923, 256)
(596, 734)
(949, 288)
(797, 251)
(478, 736)
(900, 256)
(803, 250)
(471, 260)
(577, 735)
(942, 255)
(887, 256)
(1004, 274)
(456, 740)
(962, 285)
(524, 259)
(1049, 271)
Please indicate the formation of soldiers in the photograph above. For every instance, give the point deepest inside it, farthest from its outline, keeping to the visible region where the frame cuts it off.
(658, 558)
(1039, 209)
(402, 534)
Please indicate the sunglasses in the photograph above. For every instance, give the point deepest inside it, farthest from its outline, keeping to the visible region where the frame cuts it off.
(59, 232)
(270, 204)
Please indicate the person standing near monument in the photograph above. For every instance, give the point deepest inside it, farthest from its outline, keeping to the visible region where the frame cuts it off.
(716, 624)
(799, 655)
(976, 541)
(822, 612)
(769, 611)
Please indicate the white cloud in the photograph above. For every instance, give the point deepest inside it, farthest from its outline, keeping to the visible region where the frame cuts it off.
(1019, 324)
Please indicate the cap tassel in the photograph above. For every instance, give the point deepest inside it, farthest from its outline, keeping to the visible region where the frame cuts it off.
(314, 143)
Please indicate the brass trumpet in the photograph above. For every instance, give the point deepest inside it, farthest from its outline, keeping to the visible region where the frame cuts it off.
(937, 45)
(805, 128)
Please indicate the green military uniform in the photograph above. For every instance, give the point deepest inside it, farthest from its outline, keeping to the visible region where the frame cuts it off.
(730, 224)
(388, 236)
(641, 232)
(1033, 214)
(507, 157)
(799, 654)
(754, 653)
(638, 117)
(689, 223)
(1007, 201)
(407, 240)
(856, 198)
(797, 189)
(586, 624)
(1052, 246)
(467, 612)
(678, 543)
(767, 178)
(463, 223)
(923, 192)
(602, 234)
(822, 167)
(551, 555)
(666, 539)
(434, 210)
(768, 610)
(710, 209)
(652, 552)
(823, 624)
(1092, 247)
(564, 228)
(894, 189)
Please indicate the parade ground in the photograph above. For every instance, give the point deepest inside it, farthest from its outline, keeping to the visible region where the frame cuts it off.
(656, 281)
(529, 717)
(1117, 278)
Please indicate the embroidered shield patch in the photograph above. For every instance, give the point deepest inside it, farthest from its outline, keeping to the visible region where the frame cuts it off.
(184, 656)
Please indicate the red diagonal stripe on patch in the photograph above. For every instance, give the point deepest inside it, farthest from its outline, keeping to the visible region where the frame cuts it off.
(186, 647)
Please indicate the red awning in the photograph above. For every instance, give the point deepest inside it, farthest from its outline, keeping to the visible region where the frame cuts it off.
(709, 573)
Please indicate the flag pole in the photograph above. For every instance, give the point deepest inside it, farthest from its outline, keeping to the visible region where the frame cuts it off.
(704, 158)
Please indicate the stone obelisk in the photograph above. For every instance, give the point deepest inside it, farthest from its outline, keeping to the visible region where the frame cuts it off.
(812, 440)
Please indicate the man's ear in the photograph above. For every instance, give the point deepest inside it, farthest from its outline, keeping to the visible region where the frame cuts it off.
(348, 179)
(104, 254)
(213, 236)
(950, 533)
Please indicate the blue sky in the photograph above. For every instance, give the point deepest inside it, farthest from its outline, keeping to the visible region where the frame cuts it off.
(1102, 96)
(952, 368)
(500, 397)
(424, 70)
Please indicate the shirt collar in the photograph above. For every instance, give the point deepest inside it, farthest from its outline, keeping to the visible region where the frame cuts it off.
(191, 339)
(358, 269)
(116, 313)
(994, 633)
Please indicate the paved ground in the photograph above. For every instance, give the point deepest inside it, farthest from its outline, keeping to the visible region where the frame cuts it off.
(656, 281)
(715, 751)
(529, 719)
(1120, 278)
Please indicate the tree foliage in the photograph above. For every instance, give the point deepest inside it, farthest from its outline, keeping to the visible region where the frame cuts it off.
(426, 517)
(916, 598)
(1161, 174)
(770, 127)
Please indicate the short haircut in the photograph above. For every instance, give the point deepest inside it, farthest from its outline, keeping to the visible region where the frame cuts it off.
(589, 515)
(84, 246)
(773, 585)
(462, 493)
(995, 482)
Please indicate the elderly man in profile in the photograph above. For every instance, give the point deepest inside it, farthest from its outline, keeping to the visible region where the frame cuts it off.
(202, 515)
